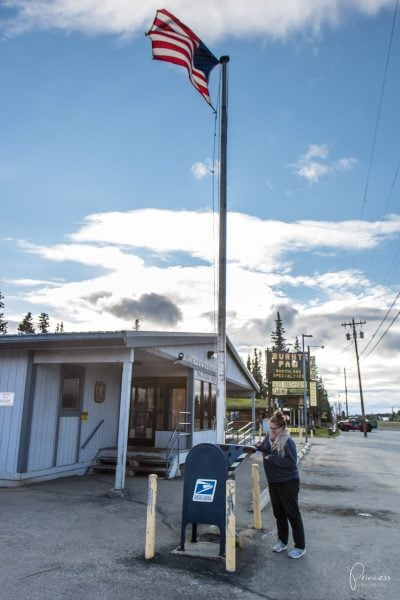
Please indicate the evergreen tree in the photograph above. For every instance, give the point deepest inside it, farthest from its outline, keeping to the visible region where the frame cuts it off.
(278, 341)
(26, 325)
(297, 347)
(255, 366)
(44, 323)
(59, 327)
(3, 323)
(248, 363)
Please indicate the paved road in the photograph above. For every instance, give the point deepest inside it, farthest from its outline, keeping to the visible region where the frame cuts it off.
(68, 539)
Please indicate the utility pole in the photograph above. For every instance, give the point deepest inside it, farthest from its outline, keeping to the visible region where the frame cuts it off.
(345, 390)
(348, 336)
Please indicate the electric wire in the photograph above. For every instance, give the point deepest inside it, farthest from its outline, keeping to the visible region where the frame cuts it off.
(379, 326)
(377, 121)
(383, 335)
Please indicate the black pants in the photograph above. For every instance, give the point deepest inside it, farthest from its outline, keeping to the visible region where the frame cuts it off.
(284, 500)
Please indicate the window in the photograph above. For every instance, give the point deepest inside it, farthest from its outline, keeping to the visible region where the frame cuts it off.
(70, 394)
(71, 389)
(204, 405)
(198, 405)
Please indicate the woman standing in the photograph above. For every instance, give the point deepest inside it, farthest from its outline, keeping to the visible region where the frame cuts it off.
(280, 465)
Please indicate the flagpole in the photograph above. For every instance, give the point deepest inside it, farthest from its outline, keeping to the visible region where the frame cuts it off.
(221, 345)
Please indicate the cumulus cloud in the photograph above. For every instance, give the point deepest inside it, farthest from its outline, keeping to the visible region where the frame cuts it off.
(314, 164)
(263, 276)
(211, 19)
(204, 169)
(150, 307)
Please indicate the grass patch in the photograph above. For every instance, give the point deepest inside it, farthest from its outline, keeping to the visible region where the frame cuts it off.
(389, 425)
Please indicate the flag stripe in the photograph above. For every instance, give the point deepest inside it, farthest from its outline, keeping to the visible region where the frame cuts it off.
(174, 42)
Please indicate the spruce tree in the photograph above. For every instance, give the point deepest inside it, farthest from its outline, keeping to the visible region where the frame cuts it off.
(26, 325)
(278, 341)
(44, 323)
(3, 323)
(248, 363)
(297, 347)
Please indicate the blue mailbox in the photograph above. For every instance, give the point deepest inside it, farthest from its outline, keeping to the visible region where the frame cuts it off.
(207, 468)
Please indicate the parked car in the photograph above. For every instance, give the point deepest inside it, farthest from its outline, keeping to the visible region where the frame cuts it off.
(354, 425)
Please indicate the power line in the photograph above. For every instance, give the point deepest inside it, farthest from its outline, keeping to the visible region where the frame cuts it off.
(380, 324)
(377, 120)
(383, 335)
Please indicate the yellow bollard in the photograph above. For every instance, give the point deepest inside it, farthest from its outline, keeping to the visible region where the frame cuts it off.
(151, 517)
(230, 545)
(256, 497)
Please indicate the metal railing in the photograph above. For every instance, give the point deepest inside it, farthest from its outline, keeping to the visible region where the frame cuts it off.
(174, 447)
(242, 435)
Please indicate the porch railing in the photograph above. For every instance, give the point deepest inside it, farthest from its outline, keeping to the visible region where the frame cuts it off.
(174, 444)
(242, 435)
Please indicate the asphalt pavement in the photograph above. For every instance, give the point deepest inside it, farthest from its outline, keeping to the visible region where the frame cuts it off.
(73, 539)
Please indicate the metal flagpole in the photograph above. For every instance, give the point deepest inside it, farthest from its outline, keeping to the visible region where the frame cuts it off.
(221, 345)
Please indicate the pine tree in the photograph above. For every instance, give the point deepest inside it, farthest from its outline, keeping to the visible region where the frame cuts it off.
(297, 347)
(278, 341)
(44, 323)
(26, 325)
(248, 362)
(3, 323)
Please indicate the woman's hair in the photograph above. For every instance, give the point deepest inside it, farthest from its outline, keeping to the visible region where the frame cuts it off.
(278, 418)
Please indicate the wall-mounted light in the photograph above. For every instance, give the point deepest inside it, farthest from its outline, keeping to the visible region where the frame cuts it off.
(211, 354)
(180, 356)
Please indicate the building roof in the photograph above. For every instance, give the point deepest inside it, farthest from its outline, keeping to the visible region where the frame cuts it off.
(117, 339)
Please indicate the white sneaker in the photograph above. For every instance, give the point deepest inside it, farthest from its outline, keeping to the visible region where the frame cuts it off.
(297, 553)
(279, 547)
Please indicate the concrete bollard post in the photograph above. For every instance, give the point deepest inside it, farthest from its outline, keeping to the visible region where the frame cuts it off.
(256, 497)
(230, 546)
(151, 517)
(300, 436)
(312, 433)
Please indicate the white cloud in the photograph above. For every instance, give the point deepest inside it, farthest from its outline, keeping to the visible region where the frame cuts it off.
(211, 19)
(313, 165)
(204, 169)
(261, 279)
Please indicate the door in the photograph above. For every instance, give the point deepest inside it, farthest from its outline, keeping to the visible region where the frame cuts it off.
(69, 419)
(141, 416)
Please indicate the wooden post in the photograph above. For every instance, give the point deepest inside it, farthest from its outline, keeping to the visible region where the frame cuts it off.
(230, 546)
(300, 435)
(256, 497)
(151, 517)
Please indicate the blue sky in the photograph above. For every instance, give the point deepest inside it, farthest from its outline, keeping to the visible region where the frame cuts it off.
(107, 206)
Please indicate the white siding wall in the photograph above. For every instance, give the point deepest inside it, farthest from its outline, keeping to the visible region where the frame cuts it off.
(234, 373)
(13, 369)
(108, 410)
(44, 417)
(208, 436)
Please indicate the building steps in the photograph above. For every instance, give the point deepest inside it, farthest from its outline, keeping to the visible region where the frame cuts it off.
(141, 460)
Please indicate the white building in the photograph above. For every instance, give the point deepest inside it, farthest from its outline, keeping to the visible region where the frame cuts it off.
(65, 397)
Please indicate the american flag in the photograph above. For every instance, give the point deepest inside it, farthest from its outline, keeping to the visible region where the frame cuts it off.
(173, 42)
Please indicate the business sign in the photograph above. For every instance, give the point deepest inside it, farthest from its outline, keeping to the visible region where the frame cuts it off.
(287, 388)
(204, 490)
(285, 366)
(7, 398)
